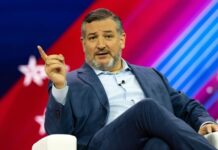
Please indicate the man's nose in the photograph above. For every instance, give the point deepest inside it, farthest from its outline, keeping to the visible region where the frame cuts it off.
(101, 43)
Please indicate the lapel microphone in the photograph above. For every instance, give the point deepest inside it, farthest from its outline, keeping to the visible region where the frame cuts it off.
(122, 82)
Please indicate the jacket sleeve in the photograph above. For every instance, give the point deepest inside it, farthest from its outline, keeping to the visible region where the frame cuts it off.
(58, 117)
(189, 110)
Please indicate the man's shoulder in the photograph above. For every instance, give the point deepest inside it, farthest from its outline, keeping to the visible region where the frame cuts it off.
(76, 75)
(73, 73)
(72, 76)
(148, 71)
(141, 68)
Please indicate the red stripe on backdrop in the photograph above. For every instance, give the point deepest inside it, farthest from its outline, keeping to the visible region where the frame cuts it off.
(21, 104)
(18, 108)
(143, 25)
(166, 23)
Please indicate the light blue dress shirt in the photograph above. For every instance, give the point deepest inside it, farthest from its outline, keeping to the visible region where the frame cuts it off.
(122, 89)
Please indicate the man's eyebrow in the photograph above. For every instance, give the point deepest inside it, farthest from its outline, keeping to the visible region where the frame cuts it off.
(93, 33)
(108, 31)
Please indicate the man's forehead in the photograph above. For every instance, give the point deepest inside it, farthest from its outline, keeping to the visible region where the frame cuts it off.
(106, 25)
(96, 32)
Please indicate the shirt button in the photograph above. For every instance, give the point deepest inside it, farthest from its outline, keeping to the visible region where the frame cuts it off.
(132, 100)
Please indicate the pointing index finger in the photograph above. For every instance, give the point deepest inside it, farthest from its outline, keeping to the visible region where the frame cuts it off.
(42, 53)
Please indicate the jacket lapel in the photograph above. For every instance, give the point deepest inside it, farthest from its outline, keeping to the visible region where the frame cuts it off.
(87, 74)
(143, 77)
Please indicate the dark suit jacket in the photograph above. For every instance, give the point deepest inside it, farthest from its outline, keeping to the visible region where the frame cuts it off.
(86, 109)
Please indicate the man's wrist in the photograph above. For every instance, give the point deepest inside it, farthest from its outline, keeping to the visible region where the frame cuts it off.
(207, 122)
(60, 85)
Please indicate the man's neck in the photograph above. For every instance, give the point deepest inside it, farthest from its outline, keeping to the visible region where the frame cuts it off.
(118, 67)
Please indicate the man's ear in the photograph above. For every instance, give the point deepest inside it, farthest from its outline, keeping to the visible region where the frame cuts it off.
(81, 39)
(83, 43)
(123, 40)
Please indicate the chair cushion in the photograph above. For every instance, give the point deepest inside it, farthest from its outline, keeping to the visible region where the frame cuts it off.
(56, 142)
(212, 138)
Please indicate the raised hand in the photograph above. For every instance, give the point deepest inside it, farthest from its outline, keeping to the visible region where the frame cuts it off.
(55, 68)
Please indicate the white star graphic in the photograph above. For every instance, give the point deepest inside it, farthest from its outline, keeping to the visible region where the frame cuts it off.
(33, 72)
(40, 120)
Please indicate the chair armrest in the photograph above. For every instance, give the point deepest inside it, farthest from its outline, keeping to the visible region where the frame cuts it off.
(212, 138)
(56, 142)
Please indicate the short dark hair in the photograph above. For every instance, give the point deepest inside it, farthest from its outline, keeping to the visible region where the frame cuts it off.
(101, 14)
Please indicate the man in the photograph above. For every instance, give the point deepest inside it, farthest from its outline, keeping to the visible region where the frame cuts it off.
(109, 104)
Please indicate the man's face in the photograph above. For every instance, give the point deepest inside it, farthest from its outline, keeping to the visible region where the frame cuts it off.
(102, 44)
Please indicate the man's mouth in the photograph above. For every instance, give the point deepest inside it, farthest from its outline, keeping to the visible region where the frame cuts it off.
(101, 53)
